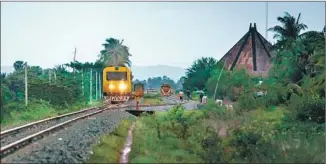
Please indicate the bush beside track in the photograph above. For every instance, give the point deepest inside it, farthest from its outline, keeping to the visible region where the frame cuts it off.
(215, 135)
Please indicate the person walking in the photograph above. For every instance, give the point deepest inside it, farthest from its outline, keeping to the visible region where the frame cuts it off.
(181, 95)
(188, 94)
(201, 97)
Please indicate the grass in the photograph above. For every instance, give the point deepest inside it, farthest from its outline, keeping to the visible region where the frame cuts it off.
(110, 146)
(37, 110)
(154, 142)
(256, 136)
(152, 99)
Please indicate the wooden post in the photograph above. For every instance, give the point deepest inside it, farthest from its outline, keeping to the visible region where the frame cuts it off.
(90, 87)
(26, 86)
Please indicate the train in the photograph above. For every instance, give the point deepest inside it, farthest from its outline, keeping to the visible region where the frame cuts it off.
(166, 90)
(117, 85)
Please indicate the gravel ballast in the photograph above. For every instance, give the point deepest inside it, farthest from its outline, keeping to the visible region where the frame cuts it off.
(38, 127)
(71, 145)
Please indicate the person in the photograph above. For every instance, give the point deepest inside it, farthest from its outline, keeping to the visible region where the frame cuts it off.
(201, 97)
(181, 95)
(188, 94)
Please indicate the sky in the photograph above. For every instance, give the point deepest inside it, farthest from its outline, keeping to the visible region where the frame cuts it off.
(157, 33)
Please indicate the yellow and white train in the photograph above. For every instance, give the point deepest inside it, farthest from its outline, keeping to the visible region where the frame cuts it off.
(117, 85)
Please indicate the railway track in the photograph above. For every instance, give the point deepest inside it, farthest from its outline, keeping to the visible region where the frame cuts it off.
(18, 137)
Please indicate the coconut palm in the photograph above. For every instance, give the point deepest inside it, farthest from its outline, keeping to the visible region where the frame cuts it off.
(115, 53)
(290, 28)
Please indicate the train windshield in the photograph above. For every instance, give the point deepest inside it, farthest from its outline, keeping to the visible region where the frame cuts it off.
(116, 76)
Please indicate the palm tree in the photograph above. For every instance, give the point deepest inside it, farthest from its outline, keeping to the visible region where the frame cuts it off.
(115, 53)
(18, 65)
(290, 29)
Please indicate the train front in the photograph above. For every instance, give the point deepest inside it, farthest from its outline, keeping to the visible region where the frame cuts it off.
(117, 84)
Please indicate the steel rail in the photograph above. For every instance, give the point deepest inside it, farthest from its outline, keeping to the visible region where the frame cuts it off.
(6, 132)
(29, 138)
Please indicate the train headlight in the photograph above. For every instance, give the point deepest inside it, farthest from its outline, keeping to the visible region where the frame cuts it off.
(122, 86)
(111, 86)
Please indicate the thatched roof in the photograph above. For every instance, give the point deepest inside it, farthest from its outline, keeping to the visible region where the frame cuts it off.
(251, 52)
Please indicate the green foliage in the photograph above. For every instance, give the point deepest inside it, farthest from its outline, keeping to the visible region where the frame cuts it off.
(199, 72)
(60, 95)
(108, 150)
(115, 53)
(58, 87)
(313, 110)
(247, 102)
(167, 137)
(18, 65)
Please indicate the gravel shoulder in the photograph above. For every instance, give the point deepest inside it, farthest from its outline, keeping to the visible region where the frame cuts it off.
(42, 126)
(70, 145)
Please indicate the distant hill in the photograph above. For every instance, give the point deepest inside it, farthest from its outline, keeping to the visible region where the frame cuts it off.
(141, 72)
(144, 72)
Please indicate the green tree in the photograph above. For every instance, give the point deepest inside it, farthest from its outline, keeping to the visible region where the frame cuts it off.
(115, 53)
(18, 65)
(291, 27)
(199, 72)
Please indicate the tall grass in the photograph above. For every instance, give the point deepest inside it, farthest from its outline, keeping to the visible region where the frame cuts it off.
(109, 148)
(256, 136)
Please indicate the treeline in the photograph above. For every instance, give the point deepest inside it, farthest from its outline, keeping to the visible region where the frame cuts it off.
(60, 87)
(57, 86)
(156, 82)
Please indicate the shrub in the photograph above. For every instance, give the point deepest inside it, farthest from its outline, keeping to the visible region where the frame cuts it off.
(247, 102)
(312, 110)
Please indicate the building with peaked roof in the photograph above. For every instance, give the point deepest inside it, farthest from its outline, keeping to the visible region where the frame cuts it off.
(251, 52)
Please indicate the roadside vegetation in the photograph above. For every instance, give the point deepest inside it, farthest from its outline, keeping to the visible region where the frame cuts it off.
(51, 92)
(109, 148)
(286, 124)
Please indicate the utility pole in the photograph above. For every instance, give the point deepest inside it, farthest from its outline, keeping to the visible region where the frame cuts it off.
(219, 78)
(96, 90)
(26, 86)
(266, 32)
(55, 76)
(100, 84)
(74, 59)
(90, 86)
(83, 81)
(49, 76)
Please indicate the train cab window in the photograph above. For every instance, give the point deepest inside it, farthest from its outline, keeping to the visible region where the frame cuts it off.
(116, 76)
